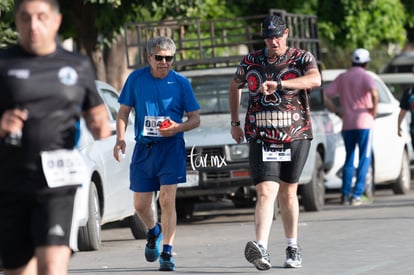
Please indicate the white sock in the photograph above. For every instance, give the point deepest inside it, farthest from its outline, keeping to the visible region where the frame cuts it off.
(293, 242)
(262, 243)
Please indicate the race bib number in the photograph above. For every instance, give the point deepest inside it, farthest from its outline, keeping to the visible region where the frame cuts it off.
(64, 167)
(275, 152)
(152, 125)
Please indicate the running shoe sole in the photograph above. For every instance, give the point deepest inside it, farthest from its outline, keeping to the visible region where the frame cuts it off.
(254, 255)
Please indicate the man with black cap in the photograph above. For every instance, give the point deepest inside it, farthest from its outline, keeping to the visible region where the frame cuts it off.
(358, 97)
(278, 128)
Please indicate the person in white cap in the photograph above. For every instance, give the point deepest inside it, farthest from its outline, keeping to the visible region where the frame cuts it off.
(358, 97)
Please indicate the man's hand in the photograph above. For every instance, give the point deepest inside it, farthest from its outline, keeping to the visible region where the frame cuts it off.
(12, 121)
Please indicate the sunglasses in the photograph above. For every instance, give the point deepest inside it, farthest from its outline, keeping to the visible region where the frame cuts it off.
(167, 58)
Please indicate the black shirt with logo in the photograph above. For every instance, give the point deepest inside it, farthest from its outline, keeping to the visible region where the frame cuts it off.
(54, 89)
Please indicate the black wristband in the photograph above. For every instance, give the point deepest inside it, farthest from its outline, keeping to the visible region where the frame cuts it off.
(235, 123)
(279, 84)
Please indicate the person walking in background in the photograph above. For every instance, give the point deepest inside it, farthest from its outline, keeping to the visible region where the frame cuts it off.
(44, 92)
(407, 104)
(358, 98)
(160, 97)
(278, 129)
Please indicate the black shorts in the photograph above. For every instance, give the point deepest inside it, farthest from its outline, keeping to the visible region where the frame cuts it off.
(30, 220)
(286, 171)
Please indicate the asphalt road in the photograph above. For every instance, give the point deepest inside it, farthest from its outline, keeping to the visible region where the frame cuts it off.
(371, 239)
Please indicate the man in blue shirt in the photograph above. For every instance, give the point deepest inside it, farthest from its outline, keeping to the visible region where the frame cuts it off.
(160, 96)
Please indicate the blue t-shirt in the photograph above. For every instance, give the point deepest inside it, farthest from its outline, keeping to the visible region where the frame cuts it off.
(171, 96)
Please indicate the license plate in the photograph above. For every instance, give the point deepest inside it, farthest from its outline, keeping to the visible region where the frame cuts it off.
(192, 179)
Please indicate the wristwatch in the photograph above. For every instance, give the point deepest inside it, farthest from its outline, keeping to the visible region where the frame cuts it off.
(235, 123)
(279, 84)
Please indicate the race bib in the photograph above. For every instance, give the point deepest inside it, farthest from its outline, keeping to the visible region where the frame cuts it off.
(152, 125)
(275, 152)
(64, 167)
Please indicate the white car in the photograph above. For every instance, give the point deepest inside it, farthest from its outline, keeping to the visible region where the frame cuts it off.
(107, 197)
(391, 153)
(398, 82)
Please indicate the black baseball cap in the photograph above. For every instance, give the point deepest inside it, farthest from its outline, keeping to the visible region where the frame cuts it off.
(273, 26)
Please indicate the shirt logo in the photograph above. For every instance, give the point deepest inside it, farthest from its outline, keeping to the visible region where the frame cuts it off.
(68, 76)
(19, 73)
(56, 230)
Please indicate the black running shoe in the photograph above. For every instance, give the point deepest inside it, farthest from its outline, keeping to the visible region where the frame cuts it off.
(152, 249)
(167, 262)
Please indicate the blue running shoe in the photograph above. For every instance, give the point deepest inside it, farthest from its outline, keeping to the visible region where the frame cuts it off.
(152, 249)
(167, 262)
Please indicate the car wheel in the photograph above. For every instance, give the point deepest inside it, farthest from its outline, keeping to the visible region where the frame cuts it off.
(138, 228)
(244, 197)
(313, 193)
(403, 183)
(89, 236)
(185, 209)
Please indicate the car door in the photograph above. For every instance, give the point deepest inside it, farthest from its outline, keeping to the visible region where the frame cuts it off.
(388, 146)
(117, 196)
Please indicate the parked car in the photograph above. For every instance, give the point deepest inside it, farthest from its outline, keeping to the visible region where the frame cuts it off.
(401, 63)
(106, 198)
(217, 167)
(391, 154)
(398, 82)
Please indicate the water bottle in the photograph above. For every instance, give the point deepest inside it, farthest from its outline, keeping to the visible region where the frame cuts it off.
(14, 139)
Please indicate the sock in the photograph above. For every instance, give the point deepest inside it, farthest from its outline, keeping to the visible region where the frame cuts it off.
(262, 243)
(293, 242)
(155, 231)
(166, 248)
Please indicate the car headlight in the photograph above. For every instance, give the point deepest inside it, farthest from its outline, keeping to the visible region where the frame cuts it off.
(237, 152)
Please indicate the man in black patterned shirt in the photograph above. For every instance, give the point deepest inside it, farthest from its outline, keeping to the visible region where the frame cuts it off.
(278, 129)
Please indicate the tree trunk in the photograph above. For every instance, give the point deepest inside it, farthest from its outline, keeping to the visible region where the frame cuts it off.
(87, 36)
(115, 61)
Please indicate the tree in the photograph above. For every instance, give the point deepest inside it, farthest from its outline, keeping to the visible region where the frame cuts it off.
(409, 25)
(97, 26)
(7, 33)
(375, 25)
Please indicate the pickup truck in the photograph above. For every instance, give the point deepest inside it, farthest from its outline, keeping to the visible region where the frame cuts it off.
(207, 53)
(217, 167)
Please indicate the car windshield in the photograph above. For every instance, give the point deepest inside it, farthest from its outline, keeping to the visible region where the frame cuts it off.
(212, 93)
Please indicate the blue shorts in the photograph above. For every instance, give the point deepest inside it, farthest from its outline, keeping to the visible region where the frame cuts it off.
(160, 163)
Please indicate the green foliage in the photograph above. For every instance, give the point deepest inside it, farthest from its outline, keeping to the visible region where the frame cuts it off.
(343, 24)
(189, 8)
(362, 23)
(7, 34)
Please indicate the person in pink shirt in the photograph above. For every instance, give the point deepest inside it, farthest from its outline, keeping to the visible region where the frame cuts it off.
(358, 98)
